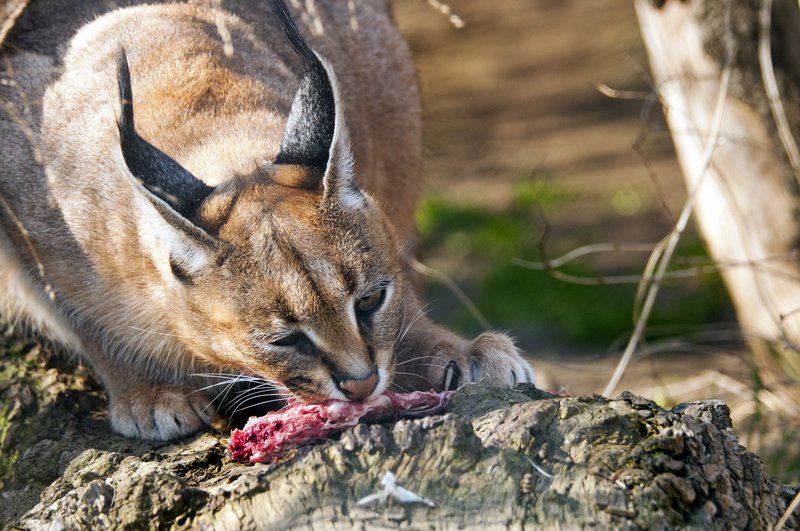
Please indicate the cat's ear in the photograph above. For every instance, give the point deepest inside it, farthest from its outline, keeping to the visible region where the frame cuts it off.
(167, 197)
(153, 169)
(316, 139)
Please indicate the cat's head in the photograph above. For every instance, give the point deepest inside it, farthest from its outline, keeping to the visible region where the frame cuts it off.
(292, 274)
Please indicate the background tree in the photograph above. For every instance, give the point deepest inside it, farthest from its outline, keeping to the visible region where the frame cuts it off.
(728, 74)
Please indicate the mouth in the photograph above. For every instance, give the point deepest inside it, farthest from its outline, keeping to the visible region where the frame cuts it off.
(333, 391)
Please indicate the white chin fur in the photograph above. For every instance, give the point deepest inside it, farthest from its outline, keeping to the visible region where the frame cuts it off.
(383, 383)
(334, 393)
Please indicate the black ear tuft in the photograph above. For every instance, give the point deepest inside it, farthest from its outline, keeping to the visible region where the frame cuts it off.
(310, 125)
(157, 172)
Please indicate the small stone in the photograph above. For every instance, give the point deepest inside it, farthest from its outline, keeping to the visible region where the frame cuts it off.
(407, 434)
(669, 442)
(544, 450)
(634, 476)
(637, 402)
(666, 463)
(528, 483)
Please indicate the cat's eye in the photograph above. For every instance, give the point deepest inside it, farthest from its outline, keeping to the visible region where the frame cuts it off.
(295, 339)
(370, 303)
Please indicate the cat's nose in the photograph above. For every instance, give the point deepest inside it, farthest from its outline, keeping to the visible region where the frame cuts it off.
(358, 388)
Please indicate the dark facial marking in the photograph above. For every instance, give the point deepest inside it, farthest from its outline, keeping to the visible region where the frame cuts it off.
(180, 271)
(156, 171)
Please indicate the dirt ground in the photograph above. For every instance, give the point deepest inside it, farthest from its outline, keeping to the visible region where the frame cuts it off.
(515, 90)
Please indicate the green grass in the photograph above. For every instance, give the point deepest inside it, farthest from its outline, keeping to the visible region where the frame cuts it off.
(481, 245)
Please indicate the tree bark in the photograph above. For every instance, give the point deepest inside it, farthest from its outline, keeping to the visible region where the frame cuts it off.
(487, 463)
(746, 190)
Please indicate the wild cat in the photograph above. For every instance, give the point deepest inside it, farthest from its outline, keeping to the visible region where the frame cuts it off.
(187, 191)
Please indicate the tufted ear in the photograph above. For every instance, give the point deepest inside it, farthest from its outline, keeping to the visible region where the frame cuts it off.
(316, 137)
(154, 169)
(168, 197)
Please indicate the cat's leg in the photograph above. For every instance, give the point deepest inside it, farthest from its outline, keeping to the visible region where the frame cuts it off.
(148, 403)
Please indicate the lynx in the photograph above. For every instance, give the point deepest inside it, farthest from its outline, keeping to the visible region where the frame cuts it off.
(189, 193)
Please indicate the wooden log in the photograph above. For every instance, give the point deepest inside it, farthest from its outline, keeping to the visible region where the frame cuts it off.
(497, 459)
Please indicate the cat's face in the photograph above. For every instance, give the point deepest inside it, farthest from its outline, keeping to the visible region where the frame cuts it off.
(293, 273)
(309, 297)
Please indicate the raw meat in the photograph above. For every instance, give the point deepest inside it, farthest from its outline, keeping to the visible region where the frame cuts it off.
(265, 439)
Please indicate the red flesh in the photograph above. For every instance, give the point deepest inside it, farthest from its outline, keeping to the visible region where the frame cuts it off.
(265, 439)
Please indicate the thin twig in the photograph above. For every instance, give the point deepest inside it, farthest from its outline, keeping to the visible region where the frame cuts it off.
(422, 269)
(11, 17)
(222, 28)
(617, 94)
(447, 11)
(788, 513)
(351, 8)
(21, 117)
(638, 146)
(671, 241)
(48, 289)
(782, 335)
(584, 250)
(771, 87)
(551, 267)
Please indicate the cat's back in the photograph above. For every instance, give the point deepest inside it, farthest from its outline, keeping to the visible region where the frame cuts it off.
(215, 86)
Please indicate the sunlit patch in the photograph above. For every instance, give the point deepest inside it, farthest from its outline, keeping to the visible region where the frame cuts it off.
(627, 202)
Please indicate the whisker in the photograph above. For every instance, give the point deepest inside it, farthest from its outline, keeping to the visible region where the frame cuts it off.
(228, 376)
(398, 387)
(227, 383)
(417, 358)
(418, 376)
(420, 313)
(443, 367)
(231, 385)
(258, 404)
(223, 375)
(264, 403)
(261, 390)
(250, 394)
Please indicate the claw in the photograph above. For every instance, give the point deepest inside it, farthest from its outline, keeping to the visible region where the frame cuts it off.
(452, 377)
(474, 371)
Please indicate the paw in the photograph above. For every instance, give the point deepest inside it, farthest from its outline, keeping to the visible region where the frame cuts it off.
(490, 358)
(159, 412)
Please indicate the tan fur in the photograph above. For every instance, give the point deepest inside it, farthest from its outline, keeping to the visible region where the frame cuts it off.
(278, 248)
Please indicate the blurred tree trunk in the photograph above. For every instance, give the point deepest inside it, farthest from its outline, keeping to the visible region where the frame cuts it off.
(746, 203)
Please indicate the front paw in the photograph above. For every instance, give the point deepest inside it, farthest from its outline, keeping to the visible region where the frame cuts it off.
(490, 358)
(159, 412)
